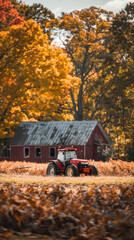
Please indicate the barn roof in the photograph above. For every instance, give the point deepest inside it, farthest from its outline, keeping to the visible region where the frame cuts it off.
(55, 133)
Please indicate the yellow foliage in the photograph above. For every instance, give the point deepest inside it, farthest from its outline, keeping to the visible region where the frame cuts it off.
(34, 75)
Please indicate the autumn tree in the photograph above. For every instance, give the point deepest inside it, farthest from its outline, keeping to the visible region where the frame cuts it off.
(37, 12)
(119, 87)
(34, 76)
(8, 15)
(82, 35)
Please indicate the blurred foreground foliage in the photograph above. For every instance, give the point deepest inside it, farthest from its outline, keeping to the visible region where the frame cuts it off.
(60, 211)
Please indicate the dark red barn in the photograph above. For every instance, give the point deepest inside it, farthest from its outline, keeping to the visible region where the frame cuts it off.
(39, 141)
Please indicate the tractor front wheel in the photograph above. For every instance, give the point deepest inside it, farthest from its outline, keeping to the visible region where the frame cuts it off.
(93, 170)
(71, 171)
(51, 170)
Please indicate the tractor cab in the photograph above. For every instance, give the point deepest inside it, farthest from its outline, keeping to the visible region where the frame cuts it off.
(66, 154)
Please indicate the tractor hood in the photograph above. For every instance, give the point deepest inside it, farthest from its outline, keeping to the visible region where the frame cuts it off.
(82, 161)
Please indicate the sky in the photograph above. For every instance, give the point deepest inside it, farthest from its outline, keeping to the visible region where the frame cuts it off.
(58, 6)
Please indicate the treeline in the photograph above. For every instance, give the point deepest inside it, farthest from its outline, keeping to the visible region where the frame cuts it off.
(78, 66)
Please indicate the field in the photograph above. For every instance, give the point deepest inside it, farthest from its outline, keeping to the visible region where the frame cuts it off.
(79, 208)
(30, 179)
(111, 168)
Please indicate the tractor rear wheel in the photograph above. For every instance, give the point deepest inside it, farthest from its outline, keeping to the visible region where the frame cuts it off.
(51, 170)
(71, 171)
(93, 170)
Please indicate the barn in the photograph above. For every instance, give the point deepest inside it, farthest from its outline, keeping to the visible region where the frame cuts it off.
(40, 141)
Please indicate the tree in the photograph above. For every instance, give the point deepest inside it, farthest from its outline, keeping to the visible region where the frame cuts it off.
(83, 34)
(119, 72)
(34, 76)
(37, 12)
(8, 15)
(123, 30)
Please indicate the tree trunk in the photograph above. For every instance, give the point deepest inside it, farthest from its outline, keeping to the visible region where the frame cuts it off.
(78, 107)
(80, 104)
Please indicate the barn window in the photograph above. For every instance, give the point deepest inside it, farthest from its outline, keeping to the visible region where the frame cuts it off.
(26, 152)
(38, 152)
(52, 152)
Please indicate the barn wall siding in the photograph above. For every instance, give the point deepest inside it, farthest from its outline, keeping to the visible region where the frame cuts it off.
(5, 159)
(89, 152)
(17, 153)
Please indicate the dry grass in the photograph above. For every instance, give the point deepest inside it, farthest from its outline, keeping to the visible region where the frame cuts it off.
(26, 178)
(111, 168)
(114, 168)
(23, 167)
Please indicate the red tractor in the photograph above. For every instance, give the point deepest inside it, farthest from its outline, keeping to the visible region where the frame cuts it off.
(67, 164)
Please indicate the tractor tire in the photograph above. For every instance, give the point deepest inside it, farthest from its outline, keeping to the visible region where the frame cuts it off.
(51, 169)
(71, 171)
(93, 170)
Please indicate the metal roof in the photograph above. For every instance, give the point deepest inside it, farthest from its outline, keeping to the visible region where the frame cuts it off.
(54, 133)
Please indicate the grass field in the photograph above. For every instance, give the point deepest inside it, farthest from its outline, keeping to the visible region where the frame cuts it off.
(26, 178)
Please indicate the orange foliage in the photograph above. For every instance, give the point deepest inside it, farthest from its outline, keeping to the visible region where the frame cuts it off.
(114, 167)
(84, 212)
(23, 167)
(111, 168)
(8, 14)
